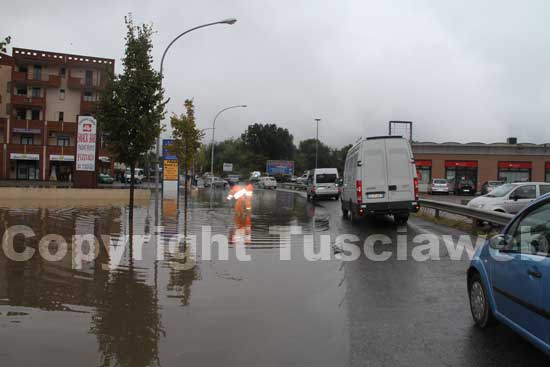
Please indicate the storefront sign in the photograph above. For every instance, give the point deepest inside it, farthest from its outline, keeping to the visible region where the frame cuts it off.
(423, 163)
(22, 130)
(548, 165)
(86, 143)
(472, 164)
(104, 159)
(228, 167)
(170, 170)
(515, 165)
(61, 158)
(24, 157)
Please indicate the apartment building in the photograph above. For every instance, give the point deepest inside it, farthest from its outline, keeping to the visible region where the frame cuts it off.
(42, 94)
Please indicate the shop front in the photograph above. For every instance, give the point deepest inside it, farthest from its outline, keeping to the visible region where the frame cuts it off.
(514, 171)
(461, 173)
(424, 172)
(547, 172)
(105, 165)
(24, 166)
(61, 167)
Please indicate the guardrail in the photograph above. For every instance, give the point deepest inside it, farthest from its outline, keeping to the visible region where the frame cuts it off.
(478, 214)
(292, 186)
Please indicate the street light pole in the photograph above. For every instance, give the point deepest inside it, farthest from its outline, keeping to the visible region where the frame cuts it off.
(213, 132)
(229, 21)
(317, 143)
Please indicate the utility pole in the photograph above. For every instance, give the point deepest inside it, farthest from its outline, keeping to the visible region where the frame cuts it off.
(317, 143)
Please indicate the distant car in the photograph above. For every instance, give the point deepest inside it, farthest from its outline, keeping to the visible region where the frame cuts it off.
(216, 182)
(104, 178)
(509, 277)
(489, 186)
(267, 182)
(138, 176)
(233, 179)
(510, 198)
(439, 186)
(303, 178)
(322, 183)
(465, 187)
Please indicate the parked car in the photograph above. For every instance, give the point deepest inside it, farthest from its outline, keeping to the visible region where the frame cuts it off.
(138, 175)
(511, 198)
(267, 182)
(233, 179)
(216, 182)
(104, 178)
(509, 277)
(380, 178)
(489, 186)
(465, 187)
(303, 178)
(322, 183)
(439, 186)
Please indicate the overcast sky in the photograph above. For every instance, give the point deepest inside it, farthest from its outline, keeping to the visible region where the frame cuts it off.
(460, 70)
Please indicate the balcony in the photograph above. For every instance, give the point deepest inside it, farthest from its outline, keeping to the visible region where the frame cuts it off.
(61, 127)
(52, 81)
(79, 83)
(87, 107)
(27, 101)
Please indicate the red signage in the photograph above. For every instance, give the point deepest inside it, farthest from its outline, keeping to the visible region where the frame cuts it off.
(423, 163)
(472, 164)
(515, 165)
(547, 165)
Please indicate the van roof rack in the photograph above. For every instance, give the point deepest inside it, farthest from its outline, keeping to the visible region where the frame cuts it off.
(385, 137)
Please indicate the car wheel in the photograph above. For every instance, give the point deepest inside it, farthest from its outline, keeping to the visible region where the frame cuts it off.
(479, 305)
(353, 216)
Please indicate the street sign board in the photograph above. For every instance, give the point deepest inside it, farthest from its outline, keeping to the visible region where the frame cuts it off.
(166, 153)
(228, 167)
(170, 170)
(86, 143)
(280, 168)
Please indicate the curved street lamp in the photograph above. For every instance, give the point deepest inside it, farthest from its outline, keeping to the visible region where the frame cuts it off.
(213, 131)
(229, 21)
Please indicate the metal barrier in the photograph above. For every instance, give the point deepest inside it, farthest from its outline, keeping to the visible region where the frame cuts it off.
(478, 214)
(292, 186)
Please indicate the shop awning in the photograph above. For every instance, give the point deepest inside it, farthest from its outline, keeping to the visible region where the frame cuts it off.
(423, 163)
(515, 165)
(24, 157)
(472, 164)
(61, 158)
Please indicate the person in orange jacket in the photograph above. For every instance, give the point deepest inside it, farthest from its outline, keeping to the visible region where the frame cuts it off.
(249, 193)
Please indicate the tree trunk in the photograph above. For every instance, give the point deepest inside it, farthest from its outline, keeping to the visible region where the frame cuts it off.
(131, 212)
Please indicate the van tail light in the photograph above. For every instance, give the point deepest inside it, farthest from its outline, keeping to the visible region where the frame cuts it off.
(416, 188)
(359, 189)
(313, 189)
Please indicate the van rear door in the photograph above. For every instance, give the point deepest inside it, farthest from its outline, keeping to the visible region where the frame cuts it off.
(374, 177)
(400, 171)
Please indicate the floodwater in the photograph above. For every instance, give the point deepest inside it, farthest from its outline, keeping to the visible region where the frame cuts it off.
(173, 311)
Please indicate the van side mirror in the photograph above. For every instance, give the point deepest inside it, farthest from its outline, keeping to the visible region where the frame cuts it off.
(498, 242)
(359, 163)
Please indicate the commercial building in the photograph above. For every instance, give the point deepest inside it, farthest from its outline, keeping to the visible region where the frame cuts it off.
(479, 162)
(42, 94)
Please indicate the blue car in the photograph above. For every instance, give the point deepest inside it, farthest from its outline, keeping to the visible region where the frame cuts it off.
(509, 276)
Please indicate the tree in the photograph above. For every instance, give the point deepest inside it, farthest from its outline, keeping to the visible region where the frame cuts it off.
(187, 141)
(3, 45)
(130, 107)
(265, 142)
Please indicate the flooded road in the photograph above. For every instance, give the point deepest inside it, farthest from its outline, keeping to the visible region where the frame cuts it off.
(147, 312)
(167, 306)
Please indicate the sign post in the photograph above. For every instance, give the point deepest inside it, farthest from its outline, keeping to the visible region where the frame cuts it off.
(86, 153)
(170, 171)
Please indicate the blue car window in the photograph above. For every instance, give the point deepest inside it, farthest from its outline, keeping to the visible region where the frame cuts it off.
(531, 234)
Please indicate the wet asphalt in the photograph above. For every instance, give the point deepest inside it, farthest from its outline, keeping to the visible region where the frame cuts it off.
(264, 312)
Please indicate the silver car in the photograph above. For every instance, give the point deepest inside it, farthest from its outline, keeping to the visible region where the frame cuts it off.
(439, 186)
(510, 198)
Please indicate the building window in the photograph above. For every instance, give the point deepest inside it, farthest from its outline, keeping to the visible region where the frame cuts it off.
(89, 97)
(23, 69)
(60, 117)
(63, 140)
(27, 139)
(62, 94)
(35, 114)
(547, 172)
(62, 71)
(21, 91)
(89, 77)
(461, 173)
(36, 92)
(37, 72)
(514, 171)
(424, 172)
(20, 114)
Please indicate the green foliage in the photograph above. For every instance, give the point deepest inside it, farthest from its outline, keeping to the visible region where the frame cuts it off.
(4, 43)
(267, 141)
(187, 138)
(131, 105)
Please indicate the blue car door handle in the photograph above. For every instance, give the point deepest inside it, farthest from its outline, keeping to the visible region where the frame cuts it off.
(534, 273)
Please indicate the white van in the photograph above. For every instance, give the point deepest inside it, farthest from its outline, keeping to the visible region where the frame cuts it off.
(321, 182)
(380, 178)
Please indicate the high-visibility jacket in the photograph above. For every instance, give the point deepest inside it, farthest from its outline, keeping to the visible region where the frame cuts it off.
(249, 194)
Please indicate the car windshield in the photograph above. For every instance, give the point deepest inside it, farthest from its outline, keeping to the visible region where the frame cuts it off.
(439, 182)
(501, 191)
(495, 183)
(326, 178)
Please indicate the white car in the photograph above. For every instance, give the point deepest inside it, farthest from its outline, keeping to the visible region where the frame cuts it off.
(379, 179)
(322, 183)
(510, 198)
(138, 175)
(267, 182)
(303, 178)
